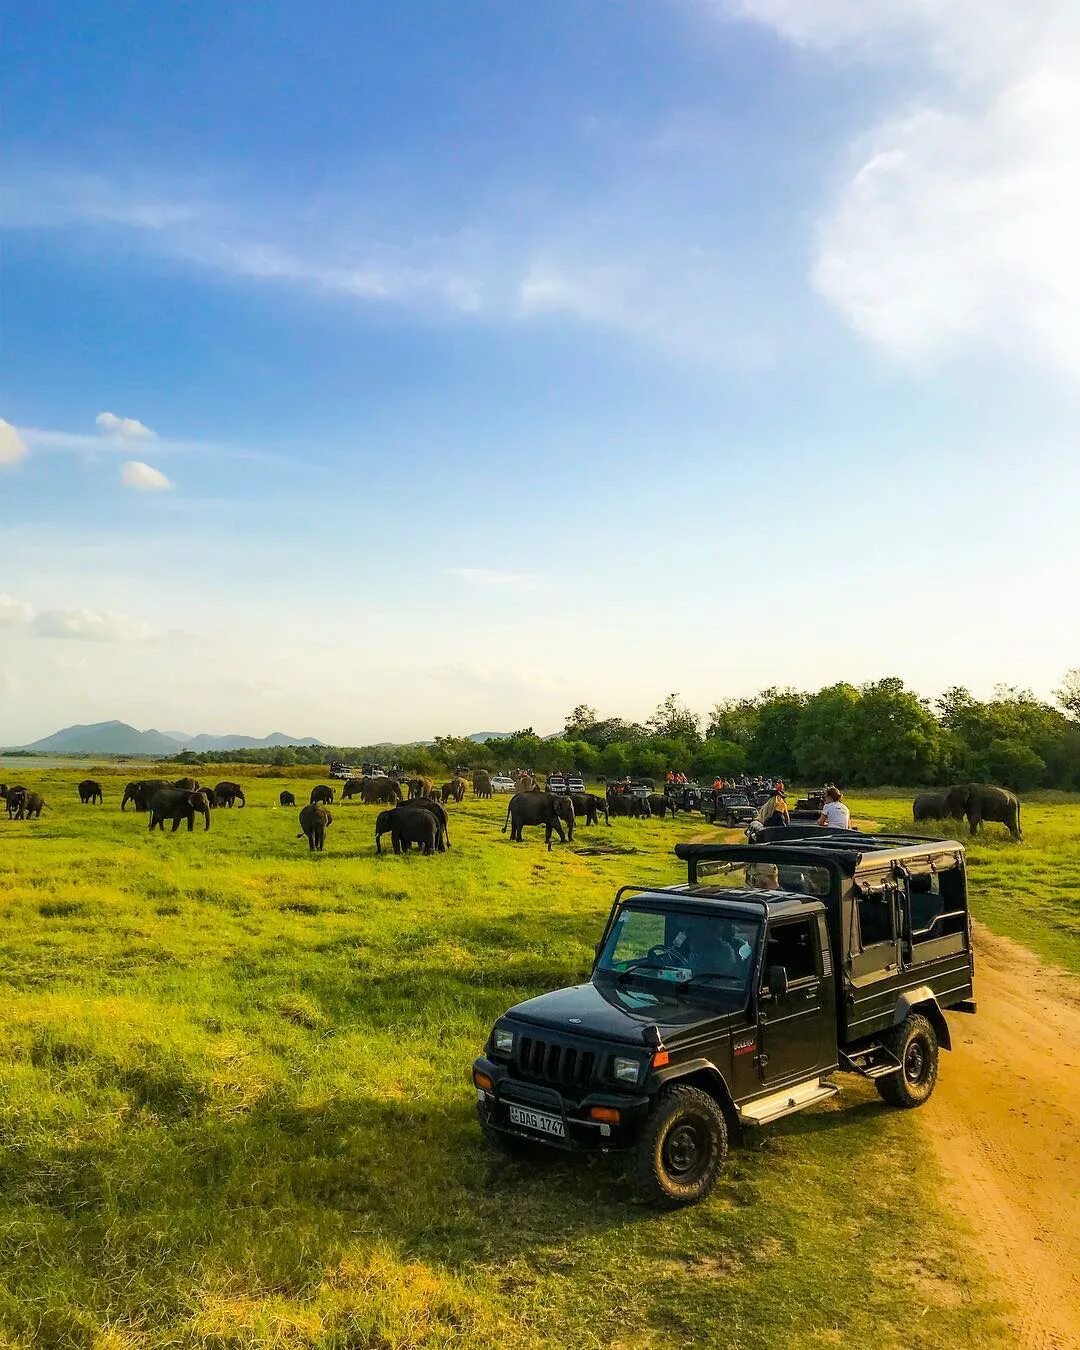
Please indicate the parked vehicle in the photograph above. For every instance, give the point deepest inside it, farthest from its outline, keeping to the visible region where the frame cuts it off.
(729, 1002)
(501, 782)
(721, 806)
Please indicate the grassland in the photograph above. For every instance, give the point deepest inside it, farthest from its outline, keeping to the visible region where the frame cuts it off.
(235, 1106)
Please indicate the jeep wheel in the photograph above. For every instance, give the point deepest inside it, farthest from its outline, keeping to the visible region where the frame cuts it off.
(682, 1147)
(914, 1043)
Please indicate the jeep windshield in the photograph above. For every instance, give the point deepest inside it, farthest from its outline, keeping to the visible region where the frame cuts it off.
(681, 954)
(768, 874)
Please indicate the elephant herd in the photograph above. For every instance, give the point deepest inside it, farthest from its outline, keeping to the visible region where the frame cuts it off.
(422, 821)
(21, 802)
(975, 802)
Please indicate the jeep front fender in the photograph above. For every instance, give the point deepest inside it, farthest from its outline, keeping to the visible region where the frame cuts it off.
(702, 1073)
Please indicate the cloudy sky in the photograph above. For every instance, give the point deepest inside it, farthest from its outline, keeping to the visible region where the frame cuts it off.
(377, 370)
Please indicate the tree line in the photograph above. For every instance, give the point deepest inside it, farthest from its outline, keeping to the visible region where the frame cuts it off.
(858, 736)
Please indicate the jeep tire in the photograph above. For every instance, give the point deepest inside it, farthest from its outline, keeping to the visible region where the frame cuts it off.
(682, 1147)
(915, 1044)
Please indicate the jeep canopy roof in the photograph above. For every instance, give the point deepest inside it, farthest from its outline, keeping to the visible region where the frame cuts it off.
(843, 850)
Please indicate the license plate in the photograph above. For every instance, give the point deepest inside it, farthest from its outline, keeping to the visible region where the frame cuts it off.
(538, 1120)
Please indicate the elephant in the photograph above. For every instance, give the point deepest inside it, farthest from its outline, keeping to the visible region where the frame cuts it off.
(90, 792)
(407, 825)
(229, 793)
(212, 799)
(628, 804)
(420, 787)
(15, 798)
(380, 791)
(981, 801)
(188, 784)
(588, 805)
(928, 806)
(660, 805)
(526, 783)
(481, 784)
(352, 787)
(30, 805)
(141, 791)
(321, 795)
(315, 820)
(436, 808)
(539, 808)
(177, 804)
(286, 798)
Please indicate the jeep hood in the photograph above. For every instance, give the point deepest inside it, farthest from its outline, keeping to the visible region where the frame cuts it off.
(612, 1013)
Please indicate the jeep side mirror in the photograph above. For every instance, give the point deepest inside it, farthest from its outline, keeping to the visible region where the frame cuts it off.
(777, 981)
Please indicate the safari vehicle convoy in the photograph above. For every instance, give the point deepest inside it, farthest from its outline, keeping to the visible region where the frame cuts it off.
(727, 1001)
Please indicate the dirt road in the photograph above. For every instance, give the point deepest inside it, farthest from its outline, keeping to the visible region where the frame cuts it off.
(1005, 1123)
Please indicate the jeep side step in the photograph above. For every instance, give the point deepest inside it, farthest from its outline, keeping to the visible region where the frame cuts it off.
(765, 1110)
(873, 1062)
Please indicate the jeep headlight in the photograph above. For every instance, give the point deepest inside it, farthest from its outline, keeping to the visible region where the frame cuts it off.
(503, 1041)
(626, 1070)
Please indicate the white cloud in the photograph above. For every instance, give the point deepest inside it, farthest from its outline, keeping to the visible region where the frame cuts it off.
(83, 625)
(14, 613)
(490, 576)
(609, 263)
(127, 428)
(88, 625)
(12, 445)
(958, 227)
(142, 477)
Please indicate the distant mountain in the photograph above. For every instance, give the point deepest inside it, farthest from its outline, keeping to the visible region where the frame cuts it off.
(481, 736)
(118, 738)
(105, 738)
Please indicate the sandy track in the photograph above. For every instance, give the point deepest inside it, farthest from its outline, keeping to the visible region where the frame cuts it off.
(1005, 1124)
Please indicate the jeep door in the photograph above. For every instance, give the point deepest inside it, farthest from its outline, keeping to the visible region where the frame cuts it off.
(797, 1023)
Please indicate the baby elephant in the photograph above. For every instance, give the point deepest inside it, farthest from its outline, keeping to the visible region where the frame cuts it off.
(90, 792)
(30, 806)
(407, 825)
(315, 820)
(286, 798)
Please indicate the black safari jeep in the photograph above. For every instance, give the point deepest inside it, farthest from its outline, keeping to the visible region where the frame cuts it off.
(728, 1001)
(722, 806)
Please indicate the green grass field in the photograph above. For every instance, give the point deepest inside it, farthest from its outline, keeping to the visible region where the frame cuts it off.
(236, 1106)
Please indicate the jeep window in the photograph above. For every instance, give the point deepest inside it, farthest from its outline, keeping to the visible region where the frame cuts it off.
(875, 916)
(799, 878)
(683, 951)
(791, 945)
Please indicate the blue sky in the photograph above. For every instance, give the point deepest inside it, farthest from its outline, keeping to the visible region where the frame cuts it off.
(379, 370)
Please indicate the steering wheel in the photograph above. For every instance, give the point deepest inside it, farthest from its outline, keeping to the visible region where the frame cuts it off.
(662, 954)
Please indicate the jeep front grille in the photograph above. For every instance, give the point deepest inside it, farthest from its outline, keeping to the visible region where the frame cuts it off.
(563, 1065)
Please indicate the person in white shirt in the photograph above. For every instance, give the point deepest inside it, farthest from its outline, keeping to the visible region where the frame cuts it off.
(834, 814)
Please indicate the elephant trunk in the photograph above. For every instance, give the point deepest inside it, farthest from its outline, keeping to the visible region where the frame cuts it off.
(240, 795)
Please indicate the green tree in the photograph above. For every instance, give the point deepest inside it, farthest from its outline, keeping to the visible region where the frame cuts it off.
(772, 746)
(1069, 694)
(736, 720)
(825, 742)
(673, 720)
(580, 721)
(717, 758)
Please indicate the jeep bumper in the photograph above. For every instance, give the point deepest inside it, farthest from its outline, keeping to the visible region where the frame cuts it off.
(582, 1132)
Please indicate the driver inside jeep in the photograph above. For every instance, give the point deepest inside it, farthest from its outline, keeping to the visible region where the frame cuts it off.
(712, 946)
